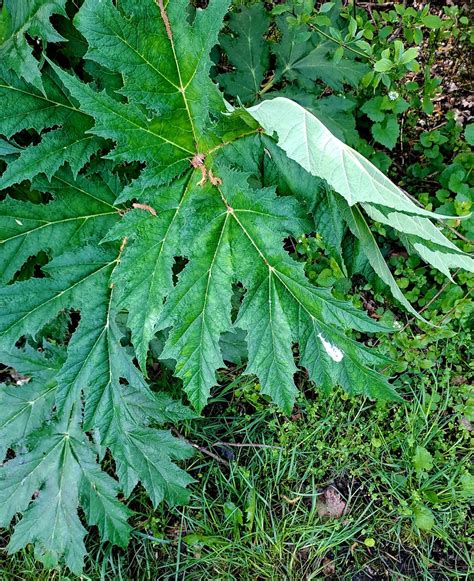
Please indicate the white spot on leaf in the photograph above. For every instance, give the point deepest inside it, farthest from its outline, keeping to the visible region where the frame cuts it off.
(334, 352)
(18, 222)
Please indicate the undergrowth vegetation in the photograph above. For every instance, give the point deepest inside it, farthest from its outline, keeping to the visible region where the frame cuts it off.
(232, 348)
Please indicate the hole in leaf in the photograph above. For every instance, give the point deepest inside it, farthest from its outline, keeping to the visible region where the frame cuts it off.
(179, 263)
(75, 317)
(32, 268)
(236, 301)
(10, 454)
(289, 244)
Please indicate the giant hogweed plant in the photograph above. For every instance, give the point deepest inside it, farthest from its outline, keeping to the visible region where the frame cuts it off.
(149, 197)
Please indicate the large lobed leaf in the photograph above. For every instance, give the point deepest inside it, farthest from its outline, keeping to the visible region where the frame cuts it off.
(208, 211)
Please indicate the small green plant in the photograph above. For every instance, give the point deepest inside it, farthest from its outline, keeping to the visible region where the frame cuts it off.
(142, 206)
(446, 157)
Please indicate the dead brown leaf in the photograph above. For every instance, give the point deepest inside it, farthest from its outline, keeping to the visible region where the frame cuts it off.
(198, 160)
(291, 500)
(328, 567)
(145, 207)
(215, 181)
(466, 424)
(330, 503)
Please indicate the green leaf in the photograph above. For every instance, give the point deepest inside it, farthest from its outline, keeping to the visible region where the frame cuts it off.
(199, 217)
(28, 107)
(220, 222)
(369, 542)
(53, 474)
(359, 228)
(8, 148)
(52, 522)
(42, 299)
(43, 363)
(336, 112)
(387, 132)
(32, 18)
(467, 484)
(383, 65)
(469, 133)
(457, 182)
(373, 109)
(96, 362)
(289, 306)
(305, 58)
(165, 65)
(68, 144)
(145, 274)
(424, 518)
(319, 64)
(412, 225)
(147, 455)
(32, 109)
(24, 407)
(81, 212)
(248, 51)
(280, 9)
(138, 136)
(314, 148)
(432, 21)
(422, 459)
(409, 55)
(98, 498)
(199, 308)
(293, 46)
(327, 219)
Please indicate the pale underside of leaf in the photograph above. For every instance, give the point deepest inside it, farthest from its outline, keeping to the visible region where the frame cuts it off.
(306, 140)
